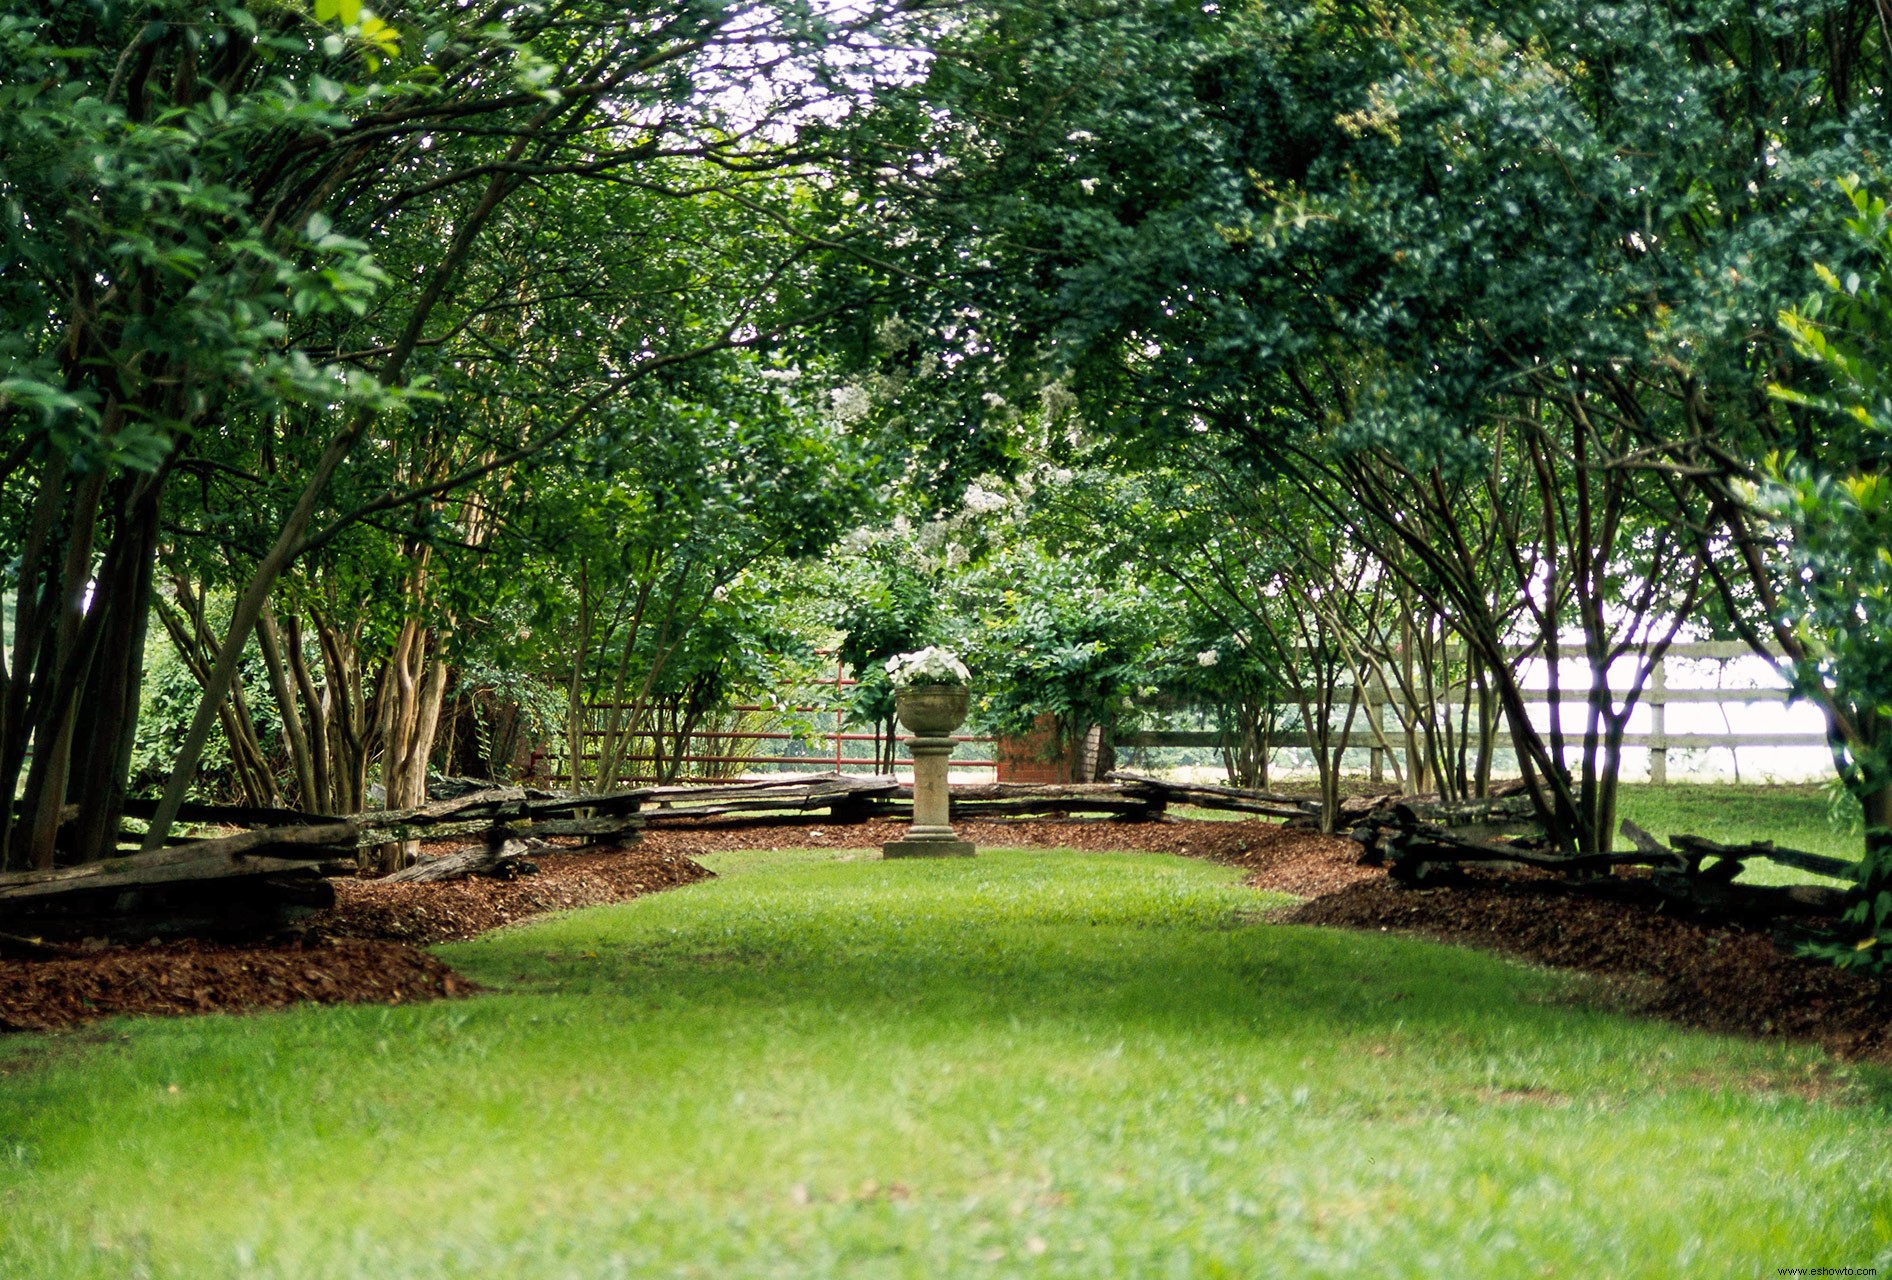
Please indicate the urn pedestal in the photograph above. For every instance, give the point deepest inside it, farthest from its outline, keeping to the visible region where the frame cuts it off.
(931, 713)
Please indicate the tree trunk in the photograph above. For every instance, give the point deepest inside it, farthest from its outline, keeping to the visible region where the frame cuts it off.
(44, 800)
(295, 729)
(110, 710)
(249, 608)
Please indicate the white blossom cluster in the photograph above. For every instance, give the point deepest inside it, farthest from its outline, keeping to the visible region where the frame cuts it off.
(982, 501)
(1057, 399)
(931, 665)
(850, 404)
(893, 332)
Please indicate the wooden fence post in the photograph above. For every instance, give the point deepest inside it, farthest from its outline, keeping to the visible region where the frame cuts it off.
(1658, 723)
(1377, 757)
(840, 710)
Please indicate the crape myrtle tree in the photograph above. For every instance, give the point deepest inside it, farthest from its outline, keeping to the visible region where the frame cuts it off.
(1439, 255)
(193, 197)
(1346, 638)
(245, 762)
(1538, 553)
(1290, 595)
(350, 645)
(568, 266)
(666, 535)
(1208, 654)
(1243, 689)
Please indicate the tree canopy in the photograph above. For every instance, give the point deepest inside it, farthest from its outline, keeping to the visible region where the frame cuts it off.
(1379, 352)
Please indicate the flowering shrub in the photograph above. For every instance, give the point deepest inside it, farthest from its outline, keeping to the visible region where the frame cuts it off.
(931, 665)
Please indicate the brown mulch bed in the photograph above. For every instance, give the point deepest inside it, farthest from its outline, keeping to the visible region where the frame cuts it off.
(195, 977)
(1720, 977)
(362, 950)
(458, 909)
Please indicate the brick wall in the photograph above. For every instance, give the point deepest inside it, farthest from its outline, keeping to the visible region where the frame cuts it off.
(1033, 757)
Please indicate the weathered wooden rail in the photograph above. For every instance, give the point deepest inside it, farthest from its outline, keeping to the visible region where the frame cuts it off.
(278, 869)
(1695, 874)
(853, 797)
(281, 864)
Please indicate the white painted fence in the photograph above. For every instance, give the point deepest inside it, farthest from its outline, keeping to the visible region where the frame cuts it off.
(1673, 716)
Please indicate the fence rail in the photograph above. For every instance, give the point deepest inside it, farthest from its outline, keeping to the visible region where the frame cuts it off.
(830, 747)
(826, 747)
(1657, 696)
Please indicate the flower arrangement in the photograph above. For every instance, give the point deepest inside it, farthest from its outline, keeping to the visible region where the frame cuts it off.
(929, 666)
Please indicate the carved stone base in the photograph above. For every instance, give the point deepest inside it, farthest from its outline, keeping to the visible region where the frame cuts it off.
(927, 849)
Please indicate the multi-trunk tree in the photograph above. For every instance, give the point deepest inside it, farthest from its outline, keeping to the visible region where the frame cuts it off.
(1505, 276)
(196, 200)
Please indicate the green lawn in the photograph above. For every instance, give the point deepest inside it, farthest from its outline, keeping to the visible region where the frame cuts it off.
(1029, 1064)
(1795, 817)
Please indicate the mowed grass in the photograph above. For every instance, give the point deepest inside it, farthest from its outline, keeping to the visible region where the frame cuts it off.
(1793, 816)
(1028, 1064)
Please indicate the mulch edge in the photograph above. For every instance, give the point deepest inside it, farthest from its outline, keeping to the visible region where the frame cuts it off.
(1690, 998)
(184, 977)
(1254, 847)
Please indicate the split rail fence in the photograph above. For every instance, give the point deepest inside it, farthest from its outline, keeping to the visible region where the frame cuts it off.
(281, 869)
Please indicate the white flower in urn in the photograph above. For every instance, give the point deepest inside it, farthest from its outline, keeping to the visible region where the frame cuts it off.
(929, 666)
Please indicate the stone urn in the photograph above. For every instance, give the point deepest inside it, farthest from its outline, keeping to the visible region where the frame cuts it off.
(930, 713)
(932, 710)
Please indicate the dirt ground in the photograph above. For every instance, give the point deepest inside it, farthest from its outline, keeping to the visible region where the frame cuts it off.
(365, 948)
